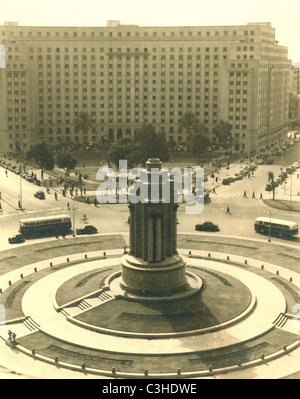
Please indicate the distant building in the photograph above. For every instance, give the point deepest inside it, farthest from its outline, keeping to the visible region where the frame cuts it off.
(294, 96)
(2, 56)
(124, 75)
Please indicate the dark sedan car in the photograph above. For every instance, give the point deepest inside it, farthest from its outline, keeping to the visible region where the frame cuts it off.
(207, 226)
(40, 195)
(225, 182)
(89, 229)
(16, 239)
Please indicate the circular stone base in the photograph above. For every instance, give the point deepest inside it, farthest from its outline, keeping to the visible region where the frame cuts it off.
(242, 313)
(193, 286)
(164, 279)
(222, 301)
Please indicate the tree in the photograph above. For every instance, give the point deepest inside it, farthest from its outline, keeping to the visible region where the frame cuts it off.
(122, 150)
(66, 160)
(272, 183)
(187, 123)
(145, 144)
(150, 144)
(42, 154)
(223, 134)
(83, 124)
(199, 139)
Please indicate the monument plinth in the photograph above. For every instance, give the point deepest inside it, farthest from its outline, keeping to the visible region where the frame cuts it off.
(153, 267)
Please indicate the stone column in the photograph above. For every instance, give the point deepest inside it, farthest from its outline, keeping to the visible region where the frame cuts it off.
(150, 240)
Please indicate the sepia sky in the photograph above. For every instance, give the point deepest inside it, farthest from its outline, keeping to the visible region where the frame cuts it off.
(283, 14)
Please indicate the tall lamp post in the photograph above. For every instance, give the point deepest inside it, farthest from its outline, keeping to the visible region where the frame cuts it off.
(270, 214)
(74, 208)
(291, 187)
(20, 198)
(291, 191)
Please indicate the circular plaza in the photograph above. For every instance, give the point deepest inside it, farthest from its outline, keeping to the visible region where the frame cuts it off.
(68, 314)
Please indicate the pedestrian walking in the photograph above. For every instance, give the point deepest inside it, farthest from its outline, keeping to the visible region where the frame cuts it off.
(253, 194)
(261, 196)
(68, 205)
(228, 211)
(245, 194)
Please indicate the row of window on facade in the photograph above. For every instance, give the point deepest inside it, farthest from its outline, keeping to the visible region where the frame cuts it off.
(49, 73)
(116, 34)
(113, 52)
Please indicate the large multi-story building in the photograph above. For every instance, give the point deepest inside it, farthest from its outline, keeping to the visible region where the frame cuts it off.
(125, 75)
(294, 96)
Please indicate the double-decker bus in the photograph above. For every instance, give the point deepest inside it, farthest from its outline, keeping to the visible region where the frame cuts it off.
(47, 225)
(282, 228)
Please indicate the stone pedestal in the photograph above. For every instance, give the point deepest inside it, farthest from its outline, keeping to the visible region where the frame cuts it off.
(150, 279)
(153, 267)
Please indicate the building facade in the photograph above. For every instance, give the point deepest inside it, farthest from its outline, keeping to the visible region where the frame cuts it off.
(294, 96)
(125, 75)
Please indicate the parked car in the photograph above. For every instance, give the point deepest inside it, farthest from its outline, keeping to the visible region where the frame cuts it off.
(207, 226)
(269, 161)
(16, 239)
(225, 181)
(88, 229)
(39, 195)
(238, 176)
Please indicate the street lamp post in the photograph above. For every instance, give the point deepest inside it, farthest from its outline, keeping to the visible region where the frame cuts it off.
(21, 207)
(291, 191)
(291, 186)
(269, 214)
(74, 209)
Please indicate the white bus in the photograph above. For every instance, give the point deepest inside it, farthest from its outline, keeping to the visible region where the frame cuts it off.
(58, 224)
(282, 228)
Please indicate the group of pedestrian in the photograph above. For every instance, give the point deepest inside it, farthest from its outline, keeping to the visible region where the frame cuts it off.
(253, 195)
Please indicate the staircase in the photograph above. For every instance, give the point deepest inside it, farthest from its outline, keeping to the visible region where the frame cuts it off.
(84, 305)
(281, 320)
(104, 296)
(31, 324)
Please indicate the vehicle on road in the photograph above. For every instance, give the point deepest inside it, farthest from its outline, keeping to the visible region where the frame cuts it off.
(39, 195)
(16, 239)
(89, 229)
(269, 161)
(207, 226)
(281, 228)
(47, 225)
(225, 182)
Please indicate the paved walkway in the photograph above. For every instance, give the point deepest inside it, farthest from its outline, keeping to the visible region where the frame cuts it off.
(51, 322)
(11, 360)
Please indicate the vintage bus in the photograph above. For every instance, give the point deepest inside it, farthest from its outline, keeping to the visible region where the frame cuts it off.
(47, 225)
(282, 228)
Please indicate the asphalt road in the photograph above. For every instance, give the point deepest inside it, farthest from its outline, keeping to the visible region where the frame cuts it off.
(113, 217)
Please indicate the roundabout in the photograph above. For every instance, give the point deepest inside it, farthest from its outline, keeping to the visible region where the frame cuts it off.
(71, 317)
(173, 306)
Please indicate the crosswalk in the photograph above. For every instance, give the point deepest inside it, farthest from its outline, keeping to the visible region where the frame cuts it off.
(231, 194)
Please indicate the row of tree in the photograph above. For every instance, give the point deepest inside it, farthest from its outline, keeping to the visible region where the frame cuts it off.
(43, 155)
(197, 133)
(145, 144)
